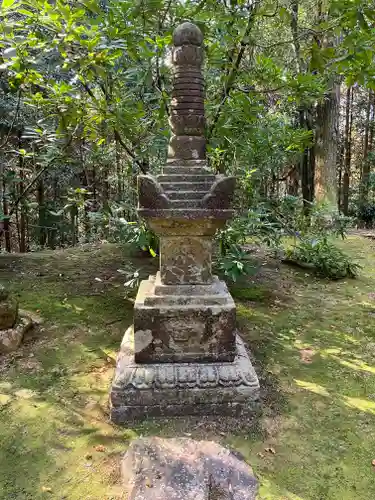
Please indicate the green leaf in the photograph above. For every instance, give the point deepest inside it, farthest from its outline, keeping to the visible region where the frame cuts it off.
(25, 12)
(7, 4)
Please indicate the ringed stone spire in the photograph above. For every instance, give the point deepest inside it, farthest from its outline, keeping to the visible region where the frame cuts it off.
(187, 105)
(182, 355)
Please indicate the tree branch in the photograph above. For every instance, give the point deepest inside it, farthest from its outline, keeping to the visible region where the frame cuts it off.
(5, 142)
(141, 164)
(235, 68)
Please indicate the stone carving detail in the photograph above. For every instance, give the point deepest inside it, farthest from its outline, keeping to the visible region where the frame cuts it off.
(187, 119)
(176, 375)
(221, 194)
(184, 376)
(150, 193)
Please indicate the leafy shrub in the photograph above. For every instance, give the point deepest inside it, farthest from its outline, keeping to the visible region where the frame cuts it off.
(327, 259)
(234, 264)
(139, 235)
(270, 223)
(289, 216)
(254, 224)
(366, 214)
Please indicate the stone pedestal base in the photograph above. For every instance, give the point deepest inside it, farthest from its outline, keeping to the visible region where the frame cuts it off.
(184, 323)
(179, 389)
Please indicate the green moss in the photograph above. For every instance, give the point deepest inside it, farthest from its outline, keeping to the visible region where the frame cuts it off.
(254, 293)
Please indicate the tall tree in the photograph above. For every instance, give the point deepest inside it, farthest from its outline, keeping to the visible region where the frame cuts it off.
(347, 149)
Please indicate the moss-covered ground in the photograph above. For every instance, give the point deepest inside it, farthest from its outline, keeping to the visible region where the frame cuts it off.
(313, 344)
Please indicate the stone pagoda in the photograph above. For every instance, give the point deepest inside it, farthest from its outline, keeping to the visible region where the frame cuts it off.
(182, 355)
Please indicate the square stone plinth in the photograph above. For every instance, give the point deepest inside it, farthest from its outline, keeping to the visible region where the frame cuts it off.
(178, 389)
(183, 323)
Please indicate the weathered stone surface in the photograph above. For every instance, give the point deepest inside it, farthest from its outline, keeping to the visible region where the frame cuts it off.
(185, 260)
(11, 338)
(177, 389)
(181, 87)
(178, 93)
(187, 147)
(190, 124)
(187, 55)
(221, 193)
(174, 226)
(189, 100)
(150, 193)
(187, 104)
(187, 33)
(185, 214)
(8, 313)
(215, 288)
(4, 292)
(183, 326)
(183, 469)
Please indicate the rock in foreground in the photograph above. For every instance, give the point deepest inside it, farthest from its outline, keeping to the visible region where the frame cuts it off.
(11, 338)
(184, 469)
(13, 325)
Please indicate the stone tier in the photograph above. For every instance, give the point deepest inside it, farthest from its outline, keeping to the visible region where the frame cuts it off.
(180, 389)
(200, 176)
(180, 215)
(202, 185)
(183, 323)
(185, 195)
(186, 190)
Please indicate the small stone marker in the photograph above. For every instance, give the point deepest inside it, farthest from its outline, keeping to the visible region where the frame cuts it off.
(183, 355)
(184, 469)
(13, 325)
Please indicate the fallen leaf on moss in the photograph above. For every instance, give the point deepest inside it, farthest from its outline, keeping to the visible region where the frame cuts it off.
(270, 450)
(100, 447)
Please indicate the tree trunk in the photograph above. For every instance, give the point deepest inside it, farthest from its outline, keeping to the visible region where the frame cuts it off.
(118, 171)
(326, 147)
(6, 225)
(364, 186)
(371, 124)
(340, 176)
(41, 214)
(307, 163)
(293, 181)
(304, 118)
(21, 224)
(348, 147)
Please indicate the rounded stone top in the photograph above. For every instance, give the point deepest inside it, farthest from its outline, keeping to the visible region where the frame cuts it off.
(4, 292)
(187, 34)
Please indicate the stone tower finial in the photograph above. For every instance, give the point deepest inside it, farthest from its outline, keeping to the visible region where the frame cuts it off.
(187, 34)
(187, 106)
